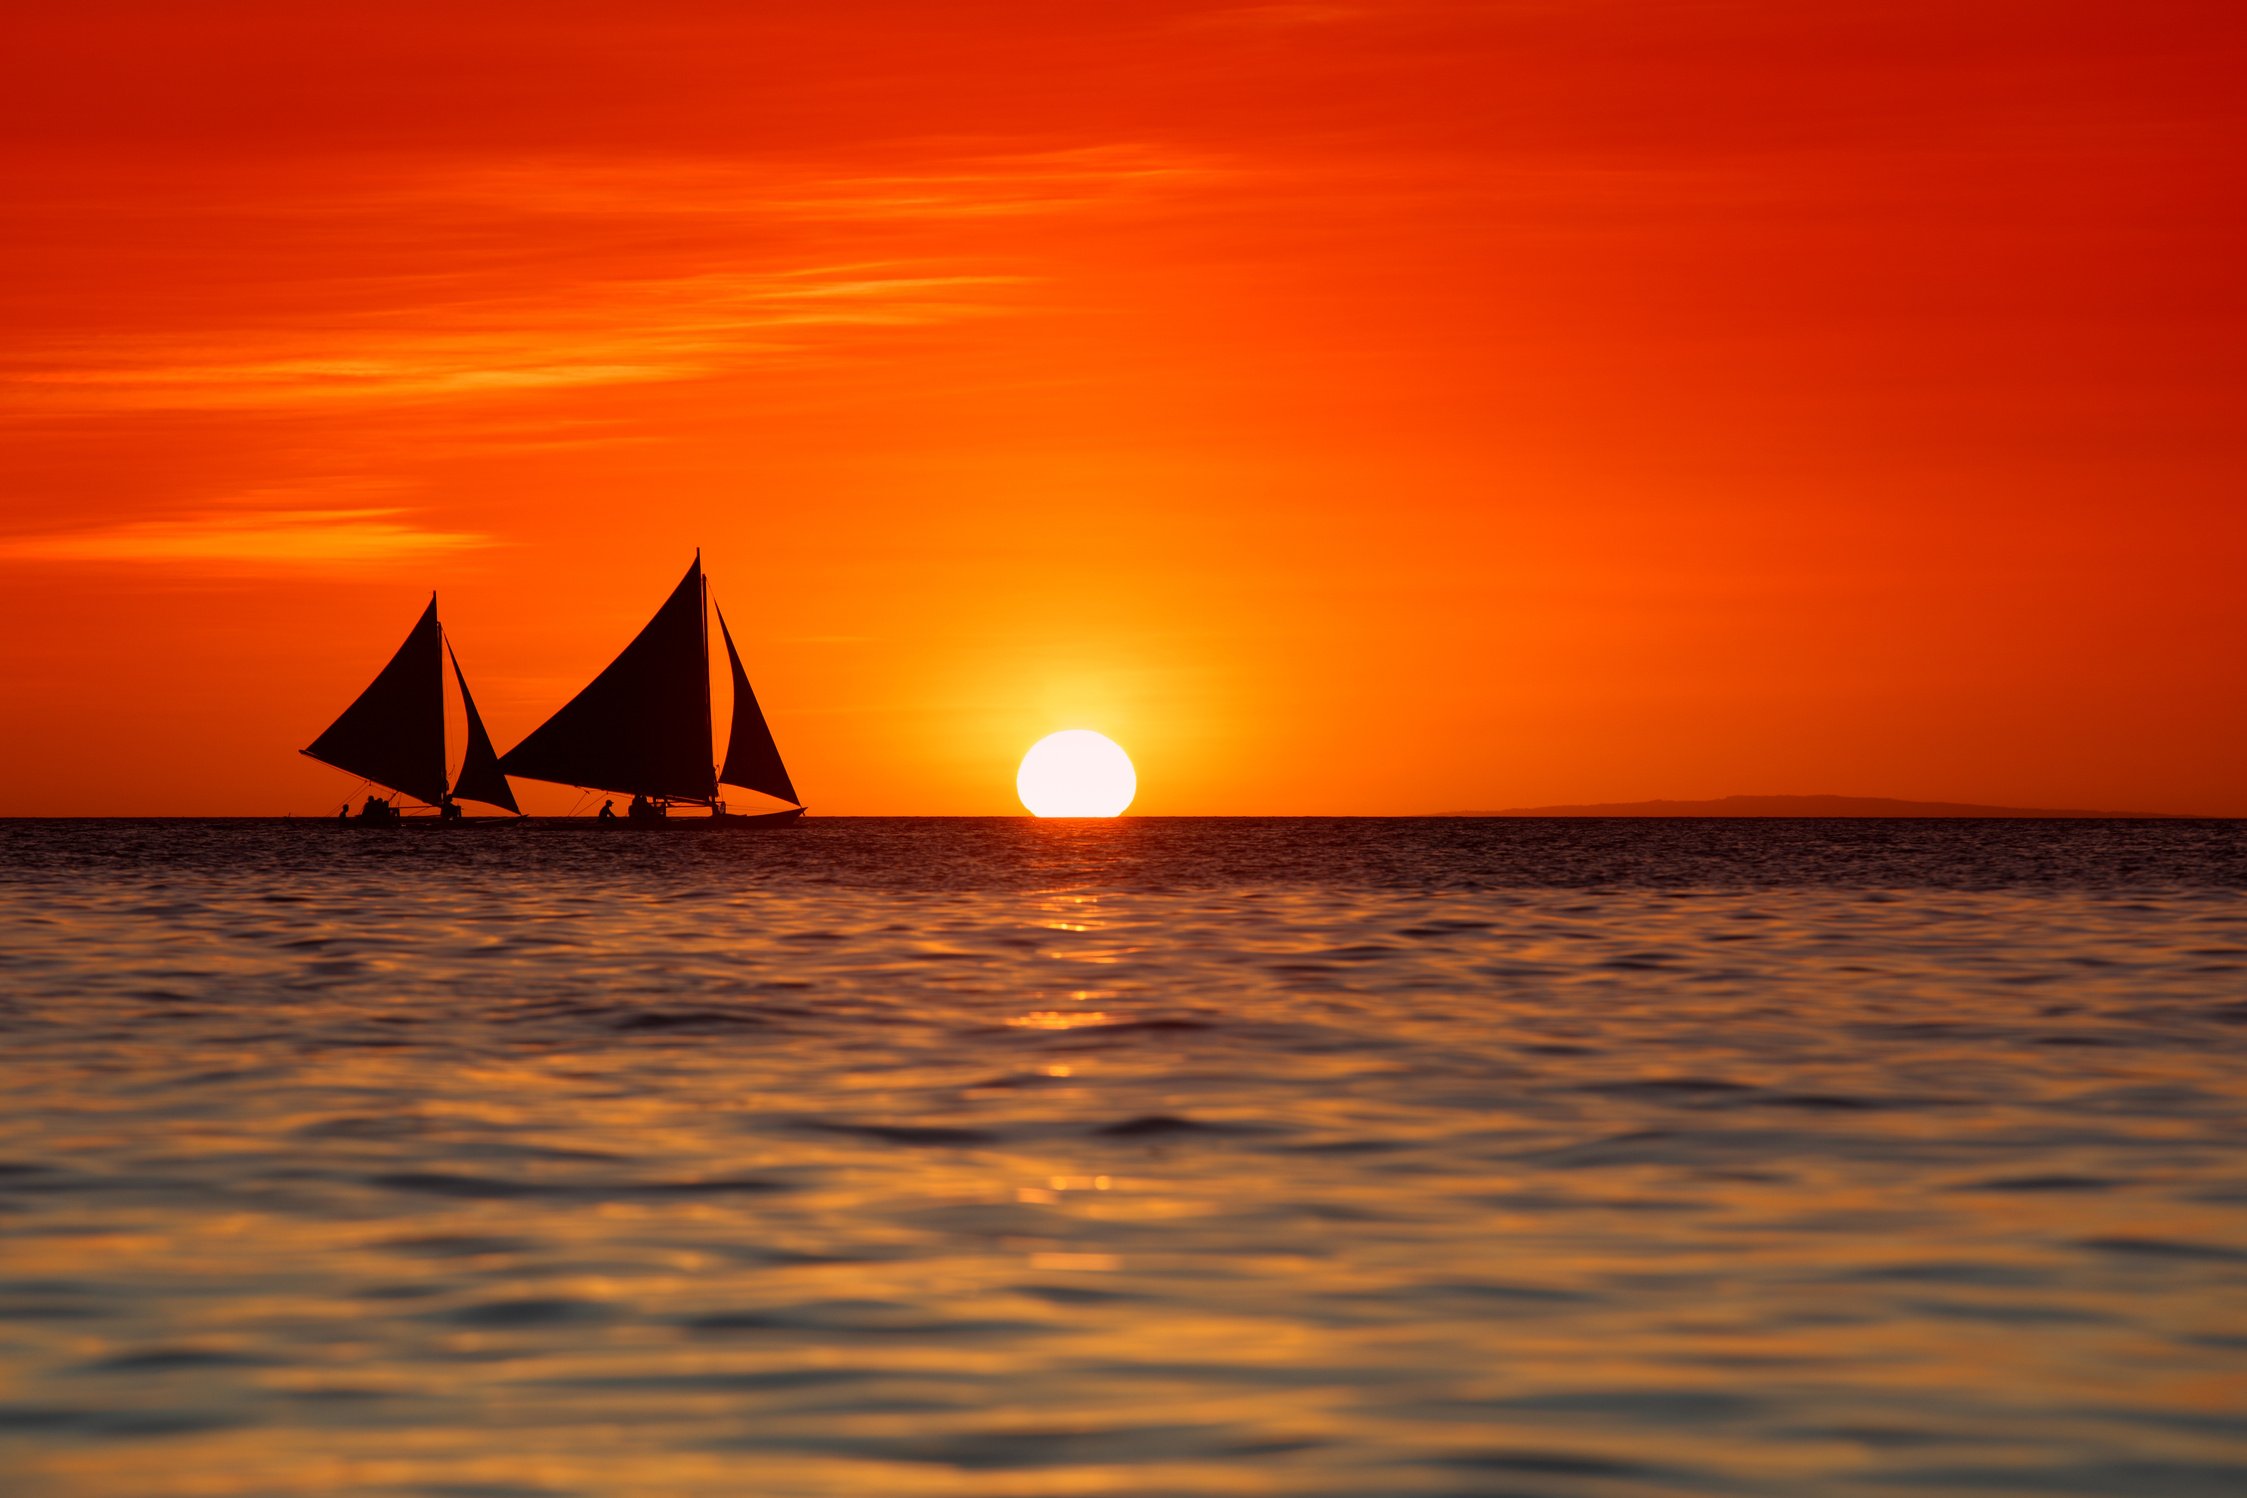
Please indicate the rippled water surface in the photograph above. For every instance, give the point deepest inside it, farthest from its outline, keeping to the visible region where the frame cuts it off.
(1255, 1157)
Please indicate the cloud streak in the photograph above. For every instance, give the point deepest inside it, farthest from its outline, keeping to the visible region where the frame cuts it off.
(636, 333)
(548, 275)
(271, 538)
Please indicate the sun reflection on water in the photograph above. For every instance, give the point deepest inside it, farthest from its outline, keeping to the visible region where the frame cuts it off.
(1740, 1192)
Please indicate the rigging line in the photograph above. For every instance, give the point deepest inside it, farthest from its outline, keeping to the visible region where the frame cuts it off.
(354, 791)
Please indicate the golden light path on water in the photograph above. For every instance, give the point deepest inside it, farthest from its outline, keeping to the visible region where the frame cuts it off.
(1022, 1158)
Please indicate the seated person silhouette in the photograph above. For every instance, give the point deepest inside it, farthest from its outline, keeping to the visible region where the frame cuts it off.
(608, 810)
(643, 809)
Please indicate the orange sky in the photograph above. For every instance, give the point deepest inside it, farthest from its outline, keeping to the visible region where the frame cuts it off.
(1379, 408)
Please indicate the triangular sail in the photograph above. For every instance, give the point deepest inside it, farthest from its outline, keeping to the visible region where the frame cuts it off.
(752, 758)
(643, 725)
(480, 775)
(394, 734)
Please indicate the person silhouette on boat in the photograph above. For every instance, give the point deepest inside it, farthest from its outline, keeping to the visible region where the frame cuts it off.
(608, 810)
(643, 809)
(345, 814)
(378, 810)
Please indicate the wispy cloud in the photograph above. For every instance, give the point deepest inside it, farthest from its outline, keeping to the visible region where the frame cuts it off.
(1277, 17)
(636, 332)
(550, 275)
(1079, 180)
(269, 538)
(994, 184)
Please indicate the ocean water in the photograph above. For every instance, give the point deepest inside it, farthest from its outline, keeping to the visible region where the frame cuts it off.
(1155, 1157)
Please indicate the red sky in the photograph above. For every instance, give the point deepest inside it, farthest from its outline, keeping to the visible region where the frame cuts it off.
(1376, 408)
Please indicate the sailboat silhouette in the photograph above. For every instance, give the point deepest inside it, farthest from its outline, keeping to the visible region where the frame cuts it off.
(642, 727)
(393, 733)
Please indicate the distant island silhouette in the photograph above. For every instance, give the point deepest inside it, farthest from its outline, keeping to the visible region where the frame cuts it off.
(1800, 806)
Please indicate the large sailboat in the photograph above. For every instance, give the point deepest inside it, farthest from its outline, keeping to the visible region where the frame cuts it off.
(394, 733)
(642, 727)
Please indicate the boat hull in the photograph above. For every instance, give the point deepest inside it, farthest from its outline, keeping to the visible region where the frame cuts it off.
(418, 823)
(788, 818)
(731, 821)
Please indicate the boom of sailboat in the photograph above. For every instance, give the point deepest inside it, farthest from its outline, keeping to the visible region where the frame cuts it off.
(641, 728)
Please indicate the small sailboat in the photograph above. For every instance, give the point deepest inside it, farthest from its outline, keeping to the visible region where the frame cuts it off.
(642, 727)
(394, 733)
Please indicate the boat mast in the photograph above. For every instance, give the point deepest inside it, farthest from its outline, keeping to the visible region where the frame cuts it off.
(703, 618)
(444, 763)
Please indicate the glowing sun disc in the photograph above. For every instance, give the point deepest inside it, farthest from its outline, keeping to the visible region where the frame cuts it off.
(1076, 773)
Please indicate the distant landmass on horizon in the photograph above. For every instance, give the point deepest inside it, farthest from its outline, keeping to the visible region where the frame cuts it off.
(1799, 806)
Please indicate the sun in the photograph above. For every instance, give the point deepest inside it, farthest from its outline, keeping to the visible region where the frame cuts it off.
(1076, 773)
